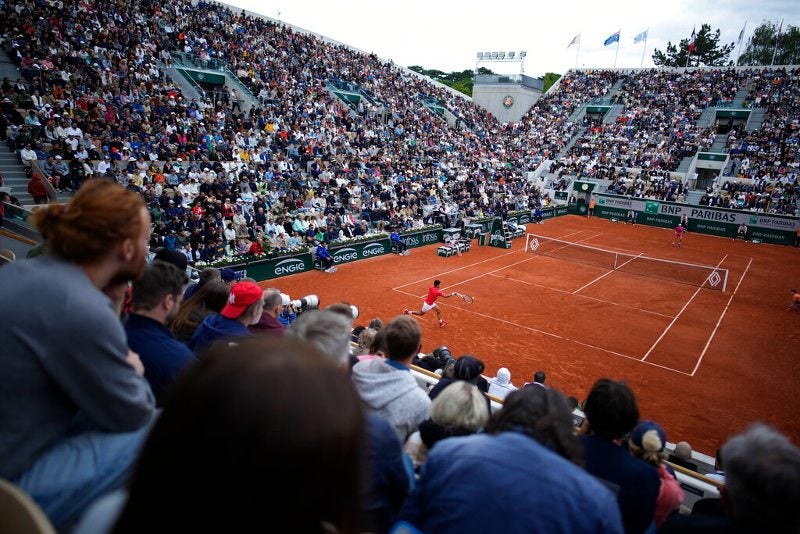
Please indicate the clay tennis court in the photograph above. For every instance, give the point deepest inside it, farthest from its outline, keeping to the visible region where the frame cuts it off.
(703, 362)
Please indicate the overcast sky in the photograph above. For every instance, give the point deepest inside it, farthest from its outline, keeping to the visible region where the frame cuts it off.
(446, 34)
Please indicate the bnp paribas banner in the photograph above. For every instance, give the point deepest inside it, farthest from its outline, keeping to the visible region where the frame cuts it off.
(780, 229)
(274, 267)
(344, 253)
(498, 236)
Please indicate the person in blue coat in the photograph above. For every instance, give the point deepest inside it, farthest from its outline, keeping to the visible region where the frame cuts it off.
(520, 476)
(156, 298)
(398, 243)
(325, 257)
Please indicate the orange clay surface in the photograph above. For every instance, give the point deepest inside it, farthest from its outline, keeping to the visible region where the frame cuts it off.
(703, 363)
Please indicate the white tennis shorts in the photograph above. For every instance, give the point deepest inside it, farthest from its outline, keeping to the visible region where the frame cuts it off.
(427, 307)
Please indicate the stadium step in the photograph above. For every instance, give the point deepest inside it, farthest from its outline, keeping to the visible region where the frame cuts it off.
(756, 119)
(693, 196)
(7, 67)
(706, 117)
(14, 177)
(613, 113)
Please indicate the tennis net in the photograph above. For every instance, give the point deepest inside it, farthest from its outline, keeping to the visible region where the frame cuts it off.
(694, 274)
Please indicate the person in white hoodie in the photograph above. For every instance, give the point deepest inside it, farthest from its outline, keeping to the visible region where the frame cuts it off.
(388, 387)
(500, 386)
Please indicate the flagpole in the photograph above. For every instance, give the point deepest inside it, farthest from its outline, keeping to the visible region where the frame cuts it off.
(644, 48)
(577, 52)
(617, 52)
(741, 38)
(777, 38)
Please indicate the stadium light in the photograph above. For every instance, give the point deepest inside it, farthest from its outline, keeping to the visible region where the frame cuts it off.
(501, 55)
(480, 55)
(511, 55)
(523, 54)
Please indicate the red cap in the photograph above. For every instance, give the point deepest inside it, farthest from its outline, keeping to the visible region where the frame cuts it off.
(243, 294)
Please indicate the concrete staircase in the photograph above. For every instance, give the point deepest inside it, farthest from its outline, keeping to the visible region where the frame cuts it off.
(720, 140)
(693, 196)
(615, 88)
(685, 164)
(612, 114)
(707, 117)
(7, 67)
(741, 94)
(14, 176)
(564, 151)
(756, 119)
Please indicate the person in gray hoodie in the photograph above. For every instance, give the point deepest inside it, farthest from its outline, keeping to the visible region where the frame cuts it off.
(388, 387)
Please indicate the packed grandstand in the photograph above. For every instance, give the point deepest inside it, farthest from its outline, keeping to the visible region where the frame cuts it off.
(274, 159)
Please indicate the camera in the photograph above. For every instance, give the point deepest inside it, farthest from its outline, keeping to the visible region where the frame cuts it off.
(294, 307)
(306, 303)
(436, 360)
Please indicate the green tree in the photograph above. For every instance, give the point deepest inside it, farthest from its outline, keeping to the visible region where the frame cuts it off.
(761, 46)
(462, 81)
(549, 79)
(708, 52)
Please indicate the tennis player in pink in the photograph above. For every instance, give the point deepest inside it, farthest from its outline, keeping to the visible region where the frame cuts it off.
(430, 302)
(679, 231)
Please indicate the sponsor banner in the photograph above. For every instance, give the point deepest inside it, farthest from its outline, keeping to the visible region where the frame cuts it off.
(614, 202)
(778, 229)
(498, 236)
(771, 236)
(557, 211)
(601, 210)
(274, 267)
(345, 253)
(422, 238)
(519, 216)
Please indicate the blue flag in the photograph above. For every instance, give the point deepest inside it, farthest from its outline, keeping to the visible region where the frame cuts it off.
(641, 37)
(614, 38)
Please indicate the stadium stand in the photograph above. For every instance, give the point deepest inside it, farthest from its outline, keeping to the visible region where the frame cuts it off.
(299, 139)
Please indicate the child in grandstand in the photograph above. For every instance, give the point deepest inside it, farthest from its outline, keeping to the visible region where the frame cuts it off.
(434, 292)
(679, 231)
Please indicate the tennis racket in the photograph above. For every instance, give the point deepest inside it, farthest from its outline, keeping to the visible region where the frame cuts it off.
(467, 298)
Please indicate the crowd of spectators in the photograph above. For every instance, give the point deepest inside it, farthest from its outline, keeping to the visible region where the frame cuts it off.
(99, 101)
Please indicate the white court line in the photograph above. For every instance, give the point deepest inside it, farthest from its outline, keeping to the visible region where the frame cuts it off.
(550, 334)
(479, 262)
(664, 333)
(604, 275)
(583, 296)
(713, 332)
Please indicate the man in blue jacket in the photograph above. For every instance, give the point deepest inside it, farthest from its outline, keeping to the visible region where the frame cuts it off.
(156, 298)
(325, 258)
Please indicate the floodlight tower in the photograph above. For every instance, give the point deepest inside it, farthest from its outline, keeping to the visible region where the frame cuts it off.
(501, 57)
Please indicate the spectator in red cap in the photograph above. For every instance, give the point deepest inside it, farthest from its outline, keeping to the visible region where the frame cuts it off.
(244, 308)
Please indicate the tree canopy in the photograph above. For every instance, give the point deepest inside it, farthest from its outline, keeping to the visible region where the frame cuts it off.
(761, 46)
(708, 52)
(460, 81)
